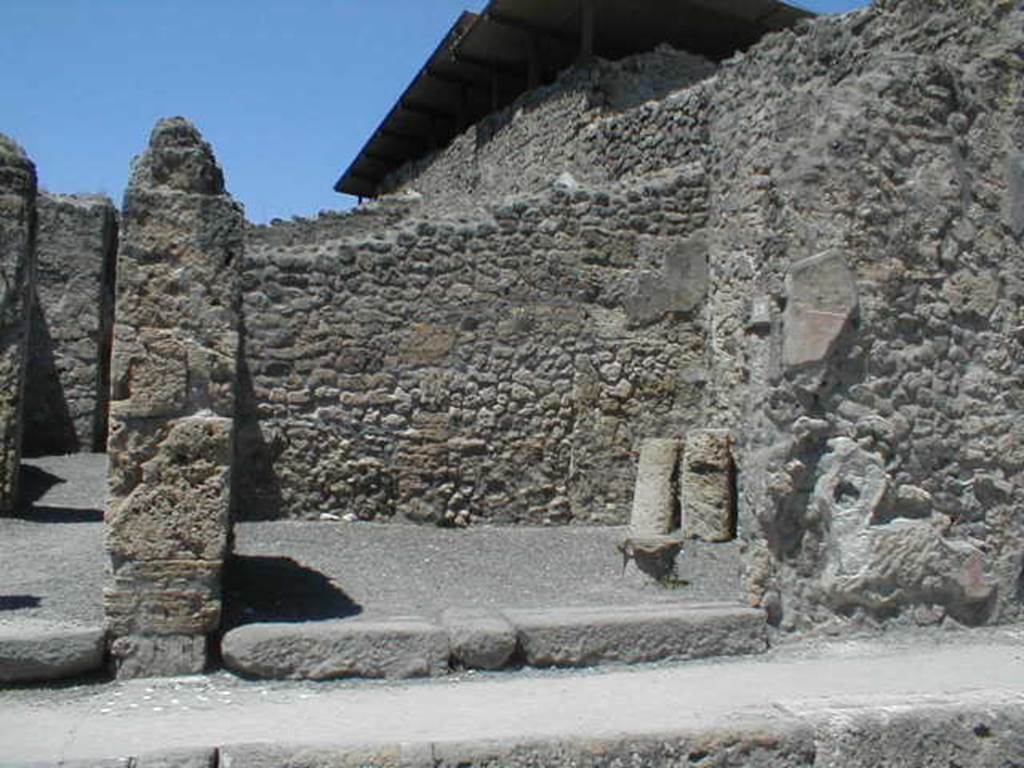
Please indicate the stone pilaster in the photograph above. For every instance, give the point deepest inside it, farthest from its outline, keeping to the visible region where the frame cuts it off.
(17, 257)
(172, 405)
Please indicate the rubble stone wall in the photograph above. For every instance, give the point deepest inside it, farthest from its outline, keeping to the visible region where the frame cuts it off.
(68, 370)
(523, 148)
(17, 263)
(859, 338)
(503, 370)
(866, 307)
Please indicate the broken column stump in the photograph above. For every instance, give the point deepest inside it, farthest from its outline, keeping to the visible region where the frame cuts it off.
(706, 486)
(176, 338)
(650, 544)
(17, 254)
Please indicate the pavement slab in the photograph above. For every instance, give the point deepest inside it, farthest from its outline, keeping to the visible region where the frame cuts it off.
(952, 691)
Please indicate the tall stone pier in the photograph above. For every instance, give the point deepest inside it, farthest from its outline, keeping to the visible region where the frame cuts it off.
(17, 256)
(175, 348)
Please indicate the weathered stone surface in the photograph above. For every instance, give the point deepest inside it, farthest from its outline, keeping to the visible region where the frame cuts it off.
(821, 300)
(707, 486)
(655, 498)
(179, 510)
(33, 651)
(176, 339)
(164, 597)
(587, 636)
(680, 287)
(178, 758)
(150, 655)
(68, 380)
(17, 267)
(969, 734)
(479, 639)
(767, 742)
(278, 756)
(327, 650)
(513, 393)
(1015, 195)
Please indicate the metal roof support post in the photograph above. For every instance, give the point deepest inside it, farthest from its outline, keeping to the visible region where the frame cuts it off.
(588, 14)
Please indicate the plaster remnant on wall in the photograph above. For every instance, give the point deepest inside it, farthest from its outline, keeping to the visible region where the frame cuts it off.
(681, 286)
(821, 300)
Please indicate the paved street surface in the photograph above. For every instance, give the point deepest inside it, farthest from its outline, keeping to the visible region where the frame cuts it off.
(968, 669)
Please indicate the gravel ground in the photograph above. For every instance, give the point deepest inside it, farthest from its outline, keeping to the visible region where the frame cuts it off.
(329, 569)
(51, 553)
(53, 564)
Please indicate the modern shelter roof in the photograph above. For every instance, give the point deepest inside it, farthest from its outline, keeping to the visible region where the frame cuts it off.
(487, 60)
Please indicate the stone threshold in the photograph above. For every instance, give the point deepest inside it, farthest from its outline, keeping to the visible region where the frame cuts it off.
(37, 651)
(405, 647)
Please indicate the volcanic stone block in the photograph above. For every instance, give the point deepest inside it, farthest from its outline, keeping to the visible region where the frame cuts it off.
(41, 650)
(479, 639)
(631, 634)
(68, 380)
(17, 257)
(172, 405)
(706, 483)
(654, 500)
(822, 299)
(397, 648)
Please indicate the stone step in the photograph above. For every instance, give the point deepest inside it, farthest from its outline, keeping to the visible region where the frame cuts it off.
(566, 637)
(33, 650)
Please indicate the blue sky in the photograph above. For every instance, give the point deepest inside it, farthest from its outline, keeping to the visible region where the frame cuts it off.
(287, 91)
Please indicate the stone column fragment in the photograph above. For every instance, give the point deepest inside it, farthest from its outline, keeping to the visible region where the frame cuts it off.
(176, 338)
(654, 499)
(17, 257)
(706, 486)
(72, 313)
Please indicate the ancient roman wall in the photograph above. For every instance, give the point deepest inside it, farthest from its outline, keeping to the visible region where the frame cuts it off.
(68, 369)
(866, 271)
(526, 146)
(501, 370)
(860, 338)
(17, 263)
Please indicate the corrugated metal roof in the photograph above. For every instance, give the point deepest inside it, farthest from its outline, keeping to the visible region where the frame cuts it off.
(486, 61)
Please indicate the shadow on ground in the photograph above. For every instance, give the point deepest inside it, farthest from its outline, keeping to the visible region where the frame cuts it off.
(33, 483)
(280, 589)
(18, 602)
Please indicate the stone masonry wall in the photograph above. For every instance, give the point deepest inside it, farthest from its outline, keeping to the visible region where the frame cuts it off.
(68, 371)
(502, 370)
(172, 407)
(17, 257)
(860, 337)
(525, 147)
(866, 301)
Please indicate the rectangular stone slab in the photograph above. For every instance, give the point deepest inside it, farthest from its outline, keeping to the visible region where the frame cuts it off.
(327, 650)
(577, 637)
(706, 495)
(654, 499)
